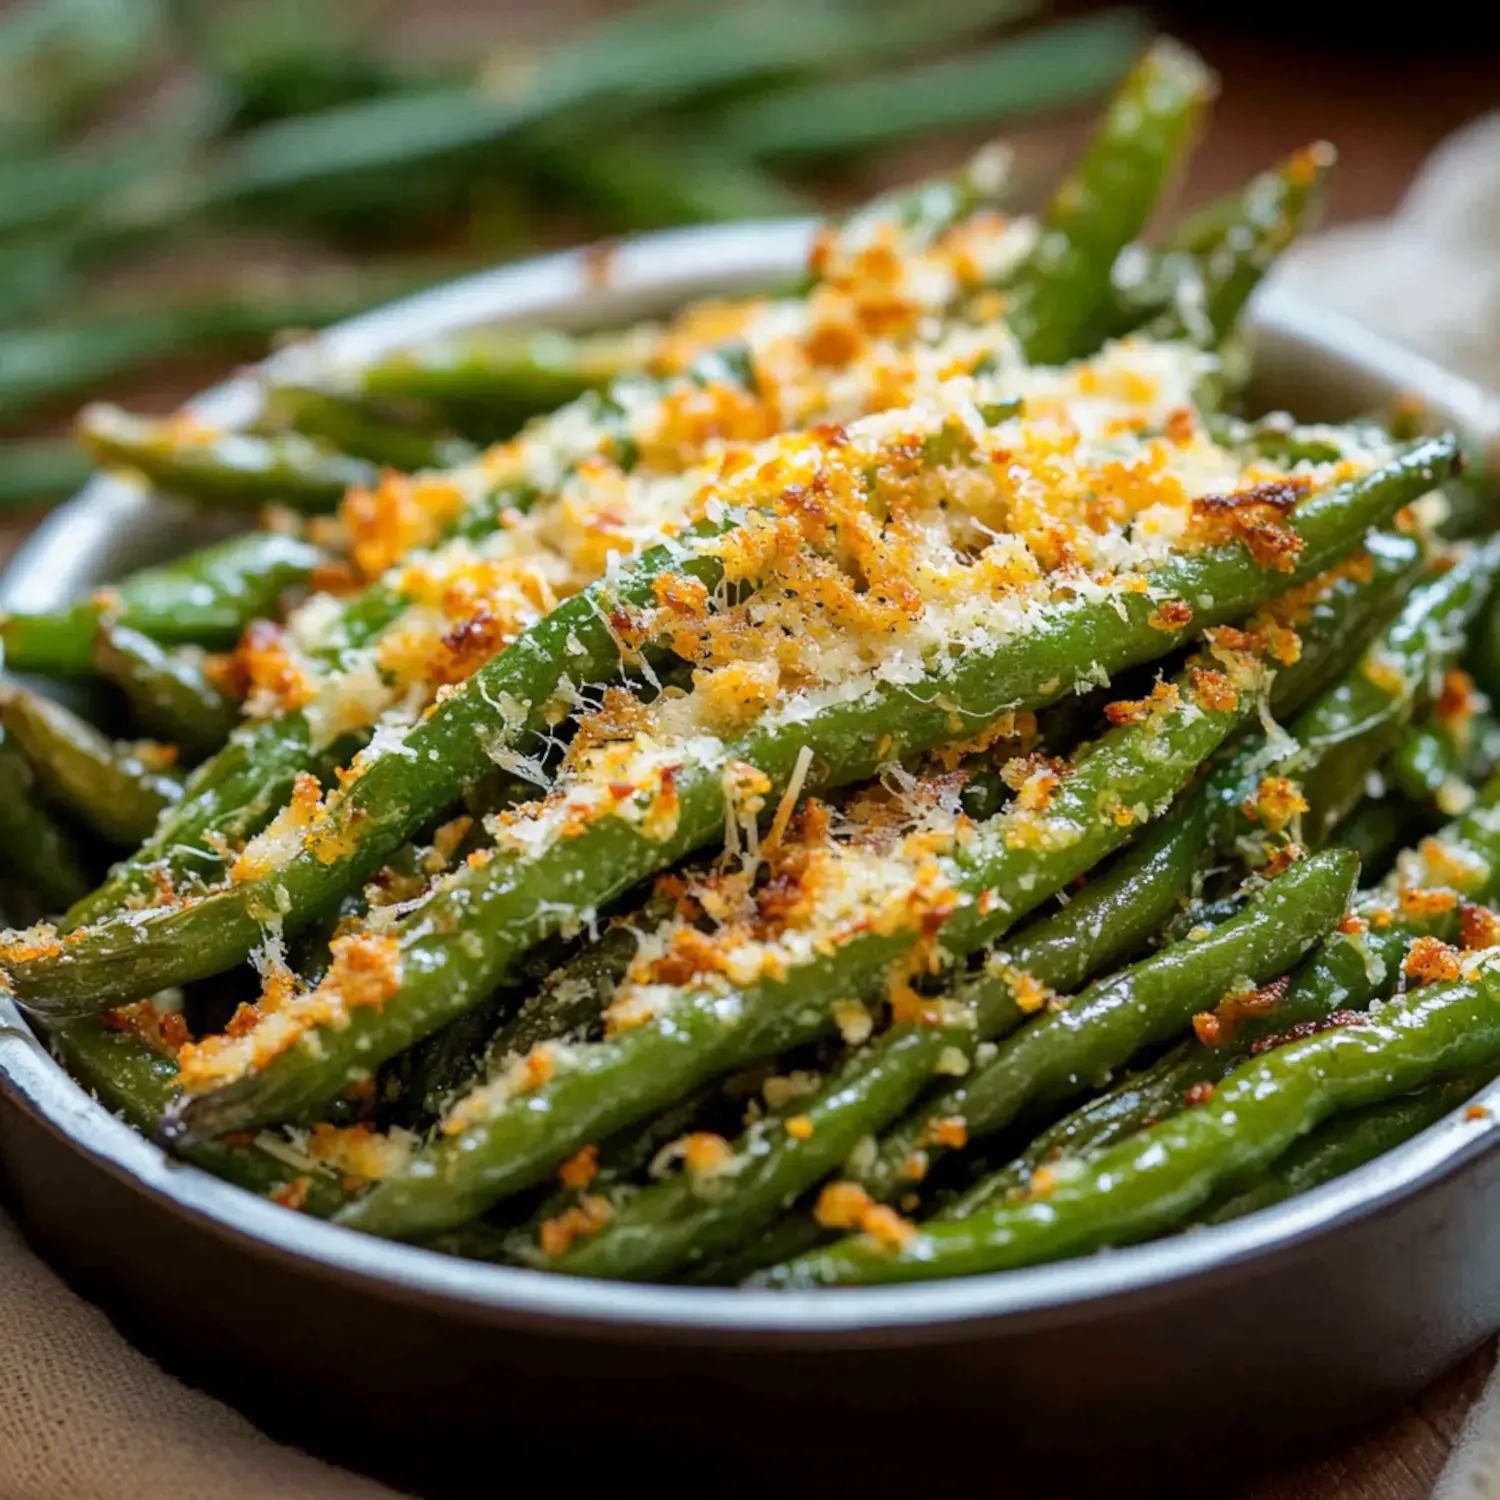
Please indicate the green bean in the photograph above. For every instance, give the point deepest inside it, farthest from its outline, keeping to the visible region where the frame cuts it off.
(1026, 970)
(614, 1167)
(40, 867)
(773, 1163)
(691, 1216)
(1112, 916)
(570, 1000)
(1059, 299)
(400, 791)
(372, 432)
(1376, 830)
(273, 735)
(287, 59)
(1347, 1141)
(655, 54)
(230, 469)
(1472, 503)
(602, 1087)
(1350, 729)
(1156, 1179)
(56, 189)
(1054, 1058)
(396, 792)
(1336, 740)
(1195, 834)
(109, 787)
(205, 598)
(36, 279)
(523, 372)
(1336, 627)
(1108, 919)
(1438, 758)
(368, 612)
(168, 690)
(791, 1235)
(1427, 764)
(1277, 437)
(1348, 972)
(519, 373)
(1482, 657)
(1212, 285)
(235, 793)
(135, 1080)
(1135, 1103)
(925, 210)
(501, 899)
(226, 800)
(1229, 244)
(1169, 858)
(1058, 67)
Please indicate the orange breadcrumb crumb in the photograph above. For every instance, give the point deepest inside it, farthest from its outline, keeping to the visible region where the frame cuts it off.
(1255, 517)
(1422, 903)
(1277, 801)
(580, 1169)
(1478, 927)
(1206, 1028)
(947, 1130)
(1430, 960)
(1457, 703)
(1212, 690)
(293, 1194)
(1164, 698)
(1171, 615)
(587, 1217)
(846, 1205)
(704, 1153)
(1282, 859)
(1044, 1182)
(165, 1030)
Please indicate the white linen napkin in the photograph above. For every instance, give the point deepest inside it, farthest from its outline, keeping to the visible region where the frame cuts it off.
(83, 1416)
(1429, 276)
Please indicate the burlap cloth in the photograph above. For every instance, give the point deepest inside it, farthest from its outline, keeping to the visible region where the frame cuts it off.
(83, 1416)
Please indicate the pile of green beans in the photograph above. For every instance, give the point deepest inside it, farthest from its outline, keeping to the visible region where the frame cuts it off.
(1131, 899)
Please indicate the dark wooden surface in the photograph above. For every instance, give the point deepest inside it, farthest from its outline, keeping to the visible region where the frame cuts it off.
(1385, 109)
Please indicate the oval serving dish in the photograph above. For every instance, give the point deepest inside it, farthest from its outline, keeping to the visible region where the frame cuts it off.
(1157, 1368)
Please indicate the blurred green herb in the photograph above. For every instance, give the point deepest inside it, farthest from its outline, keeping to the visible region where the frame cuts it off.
(293, 116)
(40, 471)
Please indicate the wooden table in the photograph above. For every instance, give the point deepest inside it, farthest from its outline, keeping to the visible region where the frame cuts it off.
(1385, 112)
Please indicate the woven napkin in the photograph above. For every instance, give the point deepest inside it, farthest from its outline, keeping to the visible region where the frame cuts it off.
(83, 1416)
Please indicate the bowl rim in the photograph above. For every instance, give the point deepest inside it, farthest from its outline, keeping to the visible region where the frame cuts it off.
(682, 263)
